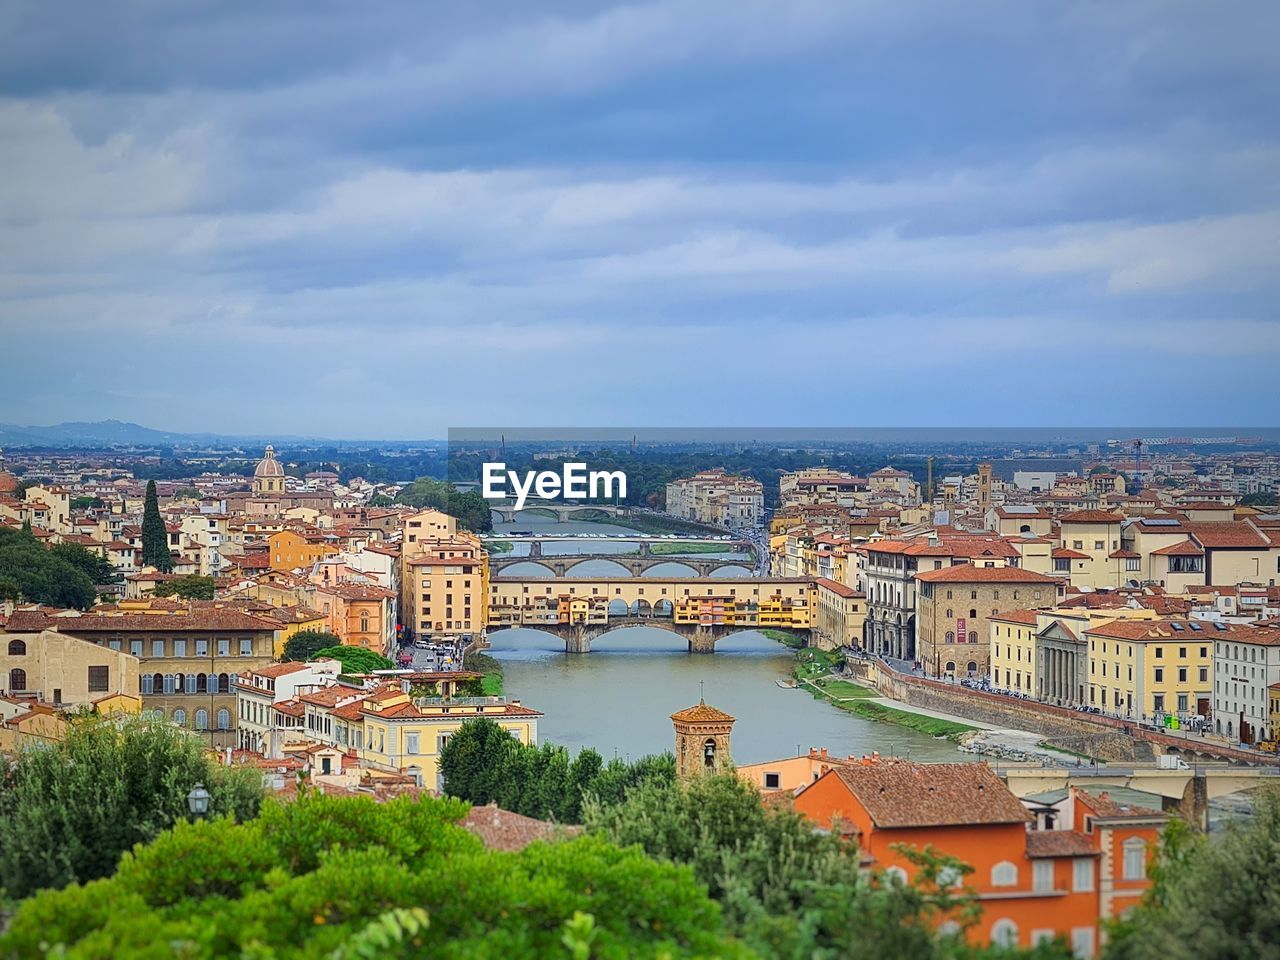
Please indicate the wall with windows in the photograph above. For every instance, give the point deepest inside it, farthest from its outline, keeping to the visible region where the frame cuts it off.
(63, 669)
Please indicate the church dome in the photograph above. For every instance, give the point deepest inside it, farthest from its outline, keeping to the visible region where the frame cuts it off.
(269, 466)
(8, 482)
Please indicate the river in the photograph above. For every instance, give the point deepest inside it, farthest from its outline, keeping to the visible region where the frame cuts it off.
(619, 698)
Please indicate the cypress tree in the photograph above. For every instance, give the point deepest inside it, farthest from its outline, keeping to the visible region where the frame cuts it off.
(155, 538)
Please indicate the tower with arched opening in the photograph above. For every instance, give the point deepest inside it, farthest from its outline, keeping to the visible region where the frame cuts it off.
(702, 740)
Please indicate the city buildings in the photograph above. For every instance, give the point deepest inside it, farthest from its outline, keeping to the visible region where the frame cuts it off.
(715, 497)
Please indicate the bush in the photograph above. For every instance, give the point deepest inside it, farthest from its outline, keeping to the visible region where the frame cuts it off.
(70, 810)
(327, 876)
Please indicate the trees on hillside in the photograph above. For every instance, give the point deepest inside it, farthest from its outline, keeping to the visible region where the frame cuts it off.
(305, 644)
(70, 810)
(470, 509)
(155, 538)
(328, 876)
(483, 764)
(31, 573)
(191, 587)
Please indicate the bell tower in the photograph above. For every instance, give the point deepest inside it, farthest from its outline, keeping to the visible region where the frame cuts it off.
(984, 485)
(702, 741)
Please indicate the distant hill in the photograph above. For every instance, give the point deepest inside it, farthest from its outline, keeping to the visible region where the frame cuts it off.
(108, 433)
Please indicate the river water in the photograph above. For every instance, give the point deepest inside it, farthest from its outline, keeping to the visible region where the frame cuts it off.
(619, 698)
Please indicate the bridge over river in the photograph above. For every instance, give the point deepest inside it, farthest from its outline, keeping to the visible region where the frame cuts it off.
(700, 609)
(561, 566)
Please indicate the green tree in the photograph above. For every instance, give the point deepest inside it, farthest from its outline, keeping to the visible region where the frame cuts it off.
(345, 876)
(92, 564)
(470, 509)
(191, 587)
(1261, 499)
(354, 659)
(70, 811)
(84, 503)
(305, 644)
(40, 575)
(155, 537)
(1219, 899)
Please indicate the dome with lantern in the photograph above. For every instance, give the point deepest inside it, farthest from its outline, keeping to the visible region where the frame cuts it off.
(268, 475)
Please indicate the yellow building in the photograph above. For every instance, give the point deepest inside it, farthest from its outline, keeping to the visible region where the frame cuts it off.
(1091, 536)
(444, 579)
(842, 612)
(293, 620)
(406, 734)
(1150, 668)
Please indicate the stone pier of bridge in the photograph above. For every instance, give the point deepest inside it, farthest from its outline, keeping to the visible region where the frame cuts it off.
(579, 637)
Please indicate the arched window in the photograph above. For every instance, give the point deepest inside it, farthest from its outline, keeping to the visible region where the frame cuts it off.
(224, 683)
(17, 680)
(709, 752)
(897, 874)
(950, 614)
(224, 719)
(145, 684)
(973, 636)
(180, 717)
(951, 666)
(951, 636)
(157, 683)
(17, 648)
(1004, 874)
(973, 614)
(202, 719)
(168, 683)
(180, 683)
(1004, 933)
(1025, 528)
(973, 594)
(973, 666)
(202, 683)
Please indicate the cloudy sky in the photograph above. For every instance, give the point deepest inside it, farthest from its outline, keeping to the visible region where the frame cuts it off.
(384, 219)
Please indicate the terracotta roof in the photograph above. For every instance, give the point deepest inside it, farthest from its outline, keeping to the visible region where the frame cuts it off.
(1059, 843)
(702, 713)
(349, 711)
(837, 588)
(1184, 548)
(904, 794)
(1123, 555)
(1025, 617)
(501, 829)
(968, 573)
(1227, 534)
(1104, 806)
(206, 619)
(1090, 516)
(271, 671)
(290, 708)
(1062, 553)
(1164, 630)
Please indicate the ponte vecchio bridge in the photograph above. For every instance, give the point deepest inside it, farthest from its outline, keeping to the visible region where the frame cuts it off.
(702, 610)
(561, 566)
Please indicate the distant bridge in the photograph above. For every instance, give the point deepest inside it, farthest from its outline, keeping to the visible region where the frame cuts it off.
(578, 637)
(1187, 792)
(560, 510)
(560, 566)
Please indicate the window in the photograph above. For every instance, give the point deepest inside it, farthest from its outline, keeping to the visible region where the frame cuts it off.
(17, 680)
(1082, 942)
(1182, 674)
(180, 717)
(1082, 874)
(1135, 859)
(179, 648)
(224, 648)
(224, 719)
(246, 647)
(157, 648)
(949, 877)
(1157, 703)
(897, 873)
(1182, 703)
(1004, 933)
(411, 743)
(1133, 563)
(17, 648)
(202, 648)
(1099, 544)
(202, 719)
(772, 781)
(135, 648)
(1042, 875)
(1062, 565)
(1004, 874)
(145, 684)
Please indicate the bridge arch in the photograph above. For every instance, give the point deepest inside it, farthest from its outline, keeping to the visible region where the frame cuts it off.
(528, 567)
(619, 569)
(664, 568)
(732, 569)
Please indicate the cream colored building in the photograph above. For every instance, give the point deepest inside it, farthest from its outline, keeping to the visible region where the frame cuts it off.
(62, 670)
(1094, 534)
(716, 497)
(1144, 669)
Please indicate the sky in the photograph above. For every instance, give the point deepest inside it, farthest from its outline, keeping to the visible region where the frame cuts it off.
(386, 219)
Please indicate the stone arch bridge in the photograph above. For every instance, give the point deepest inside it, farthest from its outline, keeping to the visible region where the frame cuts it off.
(578, 637)
(562, 511)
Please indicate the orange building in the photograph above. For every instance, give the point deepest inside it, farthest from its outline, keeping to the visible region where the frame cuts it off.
(359, 614)
(1035, 877)
(290, 550)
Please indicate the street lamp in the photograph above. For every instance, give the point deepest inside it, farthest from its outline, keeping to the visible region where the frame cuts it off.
(198, 800)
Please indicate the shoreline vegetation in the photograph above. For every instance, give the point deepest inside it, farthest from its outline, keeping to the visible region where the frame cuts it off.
(491, 683)
(814, 672)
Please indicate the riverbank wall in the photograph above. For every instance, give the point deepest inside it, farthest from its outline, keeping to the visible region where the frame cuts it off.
(1108, 738)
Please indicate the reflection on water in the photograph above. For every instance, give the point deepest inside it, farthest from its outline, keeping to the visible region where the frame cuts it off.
(619, 698)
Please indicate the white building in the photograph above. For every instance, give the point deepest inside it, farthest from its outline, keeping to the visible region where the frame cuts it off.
(1246, 660)
(267, 706)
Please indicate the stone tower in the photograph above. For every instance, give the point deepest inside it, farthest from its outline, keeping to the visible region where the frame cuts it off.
(702, 740)
(984, 485)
